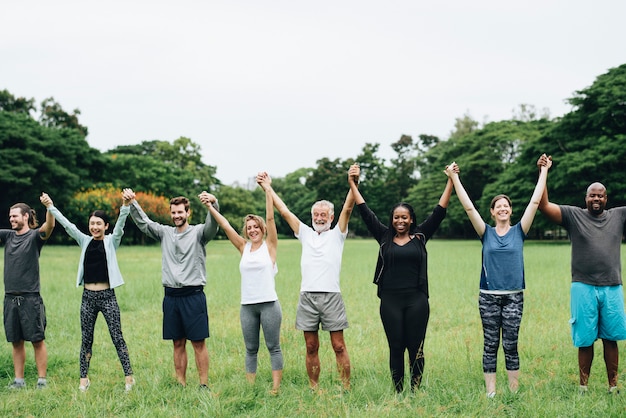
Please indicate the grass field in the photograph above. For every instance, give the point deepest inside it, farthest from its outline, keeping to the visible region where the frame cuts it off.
(452, 386)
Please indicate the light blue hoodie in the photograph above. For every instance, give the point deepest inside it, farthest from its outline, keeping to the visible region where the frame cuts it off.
(111, 242)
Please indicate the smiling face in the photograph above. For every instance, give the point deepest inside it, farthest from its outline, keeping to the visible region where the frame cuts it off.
(596, 199)
(254, 228)
(18, 220)
(322, 218)
(97, 227)
(179, 215)
(501, 210)
(401, 220)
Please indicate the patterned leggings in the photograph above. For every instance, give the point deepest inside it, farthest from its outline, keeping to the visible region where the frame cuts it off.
(501, 313)
(101, 301)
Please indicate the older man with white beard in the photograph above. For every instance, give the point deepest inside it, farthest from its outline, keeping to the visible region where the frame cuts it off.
(320, 295)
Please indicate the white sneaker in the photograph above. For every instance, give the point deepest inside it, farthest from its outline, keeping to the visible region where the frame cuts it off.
(129, 386)
(83, 388)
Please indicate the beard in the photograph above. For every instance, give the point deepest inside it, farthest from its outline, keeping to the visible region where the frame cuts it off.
(17, 226)
(319, 228)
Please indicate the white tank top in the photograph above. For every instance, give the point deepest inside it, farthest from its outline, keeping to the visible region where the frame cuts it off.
(257, 275)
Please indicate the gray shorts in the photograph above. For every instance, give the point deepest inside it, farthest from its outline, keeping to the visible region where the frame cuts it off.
(24, 318)
(326, 308)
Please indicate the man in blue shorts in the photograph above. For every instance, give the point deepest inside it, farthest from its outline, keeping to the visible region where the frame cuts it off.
(320, 296)
(24, 311)
(185, 315)
(597, 299)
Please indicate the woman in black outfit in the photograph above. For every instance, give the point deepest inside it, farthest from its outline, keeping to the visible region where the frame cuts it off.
(402, 279)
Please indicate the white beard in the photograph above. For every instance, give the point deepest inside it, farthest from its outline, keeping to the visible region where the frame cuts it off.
(319, 228)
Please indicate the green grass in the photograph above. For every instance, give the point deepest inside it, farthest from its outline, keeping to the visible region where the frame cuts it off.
(453, 383)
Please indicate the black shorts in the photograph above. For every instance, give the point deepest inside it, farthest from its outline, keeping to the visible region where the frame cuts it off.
(24, 318)
(185, 316)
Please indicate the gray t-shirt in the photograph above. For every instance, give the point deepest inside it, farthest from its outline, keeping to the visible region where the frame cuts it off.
(596, 244)
(21, 261)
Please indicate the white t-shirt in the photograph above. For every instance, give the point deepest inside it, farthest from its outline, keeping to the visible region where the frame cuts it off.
(257, 275)
(321, 258)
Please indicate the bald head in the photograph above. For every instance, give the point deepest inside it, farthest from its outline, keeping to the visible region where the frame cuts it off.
(596, 186)
(596, 198)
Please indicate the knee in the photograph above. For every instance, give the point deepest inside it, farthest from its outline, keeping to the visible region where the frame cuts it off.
(509, 347)
(312, 347)
(339, 347)
(180, 344)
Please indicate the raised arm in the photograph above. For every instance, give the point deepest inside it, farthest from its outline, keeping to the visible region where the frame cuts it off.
(272, 235)
(292, 220)
(118, 230)
(550, 210)
(444, 200)
(353, 181)
(69, 227)
(473, 215)
(531, 209)
(146, 225)
(45, 231)
(237, 240)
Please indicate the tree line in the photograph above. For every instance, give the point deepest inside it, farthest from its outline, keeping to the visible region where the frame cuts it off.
(50, 152)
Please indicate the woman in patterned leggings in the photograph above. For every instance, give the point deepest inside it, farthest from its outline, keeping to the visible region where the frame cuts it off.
(99, 274)
(501, 297)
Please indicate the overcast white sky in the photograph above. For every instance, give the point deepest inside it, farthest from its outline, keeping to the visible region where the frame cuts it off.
(278, 84)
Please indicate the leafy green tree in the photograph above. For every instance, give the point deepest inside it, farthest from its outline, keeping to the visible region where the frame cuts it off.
(36, 158)
(372, 185)
(463, 126)
(294, 190)
(237, 202)
(10, 103)
(170, 170)
(53, 116)
(329, 181)
(483, 155)
(589, 143)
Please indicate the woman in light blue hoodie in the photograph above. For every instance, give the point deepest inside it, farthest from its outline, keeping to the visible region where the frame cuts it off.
(99, 274)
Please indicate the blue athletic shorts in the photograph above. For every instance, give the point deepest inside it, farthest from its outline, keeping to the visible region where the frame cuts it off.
(326, 308)
(185, 317)
(597, 312)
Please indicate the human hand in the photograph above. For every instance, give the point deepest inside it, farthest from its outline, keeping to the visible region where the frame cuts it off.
(207, 198)
(128, 196)
(263, 179)
(544, 161)
(354, 174)
(46, 200)
(451, 169)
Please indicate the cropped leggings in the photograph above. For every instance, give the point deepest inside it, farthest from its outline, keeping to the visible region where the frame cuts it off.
(101, 301)
(267, 315)
(404, 315)
(501, 314)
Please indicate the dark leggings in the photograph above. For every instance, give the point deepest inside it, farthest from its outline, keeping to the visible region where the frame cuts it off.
(500, 314)
(405, 316)
(101, 301)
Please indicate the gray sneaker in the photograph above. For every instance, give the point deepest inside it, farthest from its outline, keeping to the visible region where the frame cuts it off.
(42, 383)
(17, 385)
